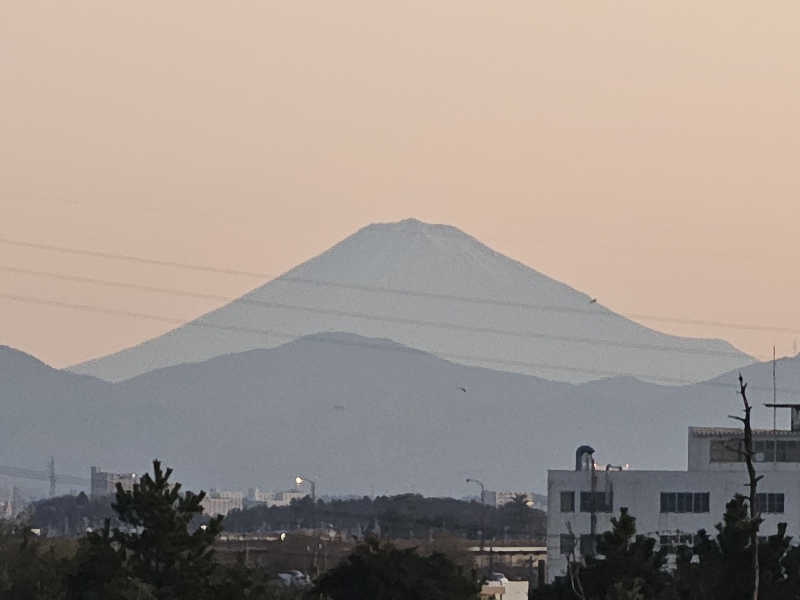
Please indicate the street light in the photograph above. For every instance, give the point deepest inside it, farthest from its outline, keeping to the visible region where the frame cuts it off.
(300, 480)
(483, 509)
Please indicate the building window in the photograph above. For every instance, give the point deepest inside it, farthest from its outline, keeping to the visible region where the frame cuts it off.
(769, 503)
(668, 504)
(732, 450)
(567, 543)
(701, 502)
(726, 451)
(597, 502)
(567, 502)
(588, 545)
(685, 502)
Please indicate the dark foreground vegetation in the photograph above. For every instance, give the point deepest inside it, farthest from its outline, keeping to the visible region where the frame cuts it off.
(157, 553)
(628, 567)
(161, 549)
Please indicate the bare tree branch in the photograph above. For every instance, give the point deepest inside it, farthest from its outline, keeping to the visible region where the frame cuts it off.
(755, 518)
(574, 568)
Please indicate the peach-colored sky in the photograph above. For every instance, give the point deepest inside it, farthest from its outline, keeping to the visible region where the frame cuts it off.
(643, 152)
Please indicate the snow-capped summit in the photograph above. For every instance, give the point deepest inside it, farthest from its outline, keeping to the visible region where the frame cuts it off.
(438, 289)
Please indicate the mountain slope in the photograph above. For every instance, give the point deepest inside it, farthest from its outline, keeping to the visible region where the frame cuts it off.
(74, 418)
(369, 414)
(434, 288)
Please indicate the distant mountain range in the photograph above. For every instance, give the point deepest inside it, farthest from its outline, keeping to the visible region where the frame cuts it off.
(361, 415)
(434, 288)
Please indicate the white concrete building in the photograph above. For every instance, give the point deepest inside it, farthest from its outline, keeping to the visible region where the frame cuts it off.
(221, 502)
(256, 497)
(671, 506)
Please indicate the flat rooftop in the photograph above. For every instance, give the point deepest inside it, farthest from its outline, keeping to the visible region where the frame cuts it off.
(738, 431)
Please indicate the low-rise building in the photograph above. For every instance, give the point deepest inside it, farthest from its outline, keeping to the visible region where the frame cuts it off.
(285, 497)
(256, 497)
(501, 558)
(671, 506)
(104, 483)
(221, 502)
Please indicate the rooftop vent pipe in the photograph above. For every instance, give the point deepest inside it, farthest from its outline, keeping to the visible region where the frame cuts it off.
(580, 454)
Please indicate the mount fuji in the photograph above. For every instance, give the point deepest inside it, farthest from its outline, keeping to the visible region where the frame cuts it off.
(436, 289)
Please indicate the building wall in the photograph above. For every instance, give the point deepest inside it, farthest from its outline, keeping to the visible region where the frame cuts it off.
(221, 503)
(640, 492)
(256, 497)
(501, 557)
(285, 498)
(104, 483)
(701, 438)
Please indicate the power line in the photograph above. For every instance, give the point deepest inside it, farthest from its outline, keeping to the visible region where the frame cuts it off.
(379, 318)
(22, 473)
(372, 346)
(544, 307)
(130, 258)
(405, 292)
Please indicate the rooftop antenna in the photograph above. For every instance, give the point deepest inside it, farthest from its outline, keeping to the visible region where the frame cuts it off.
(774, 417)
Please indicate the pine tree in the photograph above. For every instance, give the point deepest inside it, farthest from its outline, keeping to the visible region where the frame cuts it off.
(720, 568)
(626, 563)
(160, 549)
(155, 552)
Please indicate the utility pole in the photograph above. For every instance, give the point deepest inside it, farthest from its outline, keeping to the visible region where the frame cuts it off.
(593, 506)
(483, 510)
(530, 576)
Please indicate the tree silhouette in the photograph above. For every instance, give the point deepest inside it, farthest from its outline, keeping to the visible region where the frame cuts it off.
(376, 571)
(154, 551)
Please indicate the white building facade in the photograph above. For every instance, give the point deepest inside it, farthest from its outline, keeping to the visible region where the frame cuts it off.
(257, 497)
(671, 506)
(221, 502)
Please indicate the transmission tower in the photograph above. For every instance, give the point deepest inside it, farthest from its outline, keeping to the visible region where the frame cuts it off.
(51, 471)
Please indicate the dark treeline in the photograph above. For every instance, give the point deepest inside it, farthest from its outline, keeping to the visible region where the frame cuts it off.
(399, 517)
(71, 515)
(160, 550)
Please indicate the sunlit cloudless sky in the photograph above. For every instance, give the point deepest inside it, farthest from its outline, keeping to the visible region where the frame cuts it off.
(643, 152)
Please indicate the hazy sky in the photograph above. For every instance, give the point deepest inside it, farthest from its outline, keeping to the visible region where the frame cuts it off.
(643, 152)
